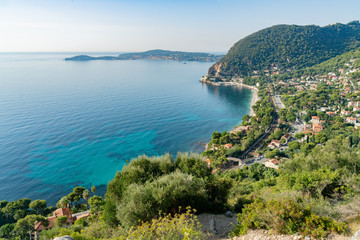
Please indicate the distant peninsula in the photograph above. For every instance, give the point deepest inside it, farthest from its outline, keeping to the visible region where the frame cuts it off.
(157, 54)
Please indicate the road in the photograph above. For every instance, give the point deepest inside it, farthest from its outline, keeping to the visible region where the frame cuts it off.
(298, 125)
(278, 102)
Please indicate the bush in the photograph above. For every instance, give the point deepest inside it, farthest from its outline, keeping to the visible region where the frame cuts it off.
(61, 220)
(143, 202)
(286, 217)
(181, 226)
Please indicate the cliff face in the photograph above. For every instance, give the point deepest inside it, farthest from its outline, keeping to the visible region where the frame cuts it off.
(287, 46)
(215, 69)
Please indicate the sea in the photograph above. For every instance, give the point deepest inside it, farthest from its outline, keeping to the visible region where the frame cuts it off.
(65, 124)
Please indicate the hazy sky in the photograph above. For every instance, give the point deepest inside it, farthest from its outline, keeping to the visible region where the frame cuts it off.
(137, 25)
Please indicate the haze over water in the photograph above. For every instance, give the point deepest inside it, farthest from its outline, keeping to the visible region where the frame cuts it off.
(64, 124)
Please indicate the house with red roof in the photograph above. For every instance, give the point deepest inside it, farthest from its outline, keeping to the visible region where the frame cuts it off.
(315, 119)
(71, 218)
(272, 163)
(228, 146)
(317, 128)
(351, 120)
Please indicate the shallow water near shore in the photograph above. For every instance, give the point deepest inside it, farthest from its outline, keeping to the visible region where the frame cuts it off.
(64, 124)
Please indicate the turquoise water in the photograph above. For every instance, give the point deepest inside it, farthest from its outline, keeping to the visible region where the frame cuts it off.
(64, 124)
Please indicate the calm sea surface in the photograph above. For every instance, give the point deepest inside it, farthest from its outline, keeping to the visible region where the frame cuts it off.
(64, 124)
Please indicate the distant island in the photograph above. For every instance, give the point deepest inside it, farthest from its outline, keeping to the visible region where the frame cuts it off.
(157, 54)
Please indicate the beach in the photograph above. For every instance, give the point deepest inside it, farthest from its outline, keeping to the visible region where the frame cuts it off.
(254, 99)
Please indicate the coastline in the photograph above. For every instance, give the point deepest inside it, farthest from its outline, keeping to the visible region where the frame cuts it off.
(254, 97)
(254, 89)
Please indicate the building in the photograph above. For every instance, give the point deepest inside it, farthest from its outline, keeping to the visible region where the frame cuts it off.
(331, 113)
(242, 129)
(356, 109)
(317, 128)
(276, 142)
(272, 163)
(286, 137)
(345, 113)
(354, 104)
(71, 218)
(315, 119)
(351, 120)
(208, 162)
(228, 146)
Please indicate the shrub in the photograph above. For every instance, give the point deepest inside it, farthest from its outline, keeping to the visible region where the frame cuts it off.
(181, 226)
(286, 217)
(143, 202)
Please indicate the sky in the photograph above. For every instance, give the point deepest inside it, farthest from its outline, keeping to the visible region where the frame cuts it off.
(139, 25)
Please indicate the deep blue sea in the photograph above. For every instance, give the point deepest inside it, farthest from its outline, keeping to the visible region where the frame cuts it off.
(64, 124)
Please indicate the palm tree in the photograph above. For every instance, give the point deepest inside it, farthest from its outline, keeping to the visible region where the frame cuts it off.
(86, 195)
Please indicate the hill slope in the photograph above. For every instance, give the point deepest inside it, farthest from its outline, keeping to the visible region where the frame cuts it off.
(288, 46)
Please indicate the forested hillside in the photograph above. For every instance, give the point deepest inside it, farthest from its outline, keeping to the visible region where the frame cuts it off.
(288, 46)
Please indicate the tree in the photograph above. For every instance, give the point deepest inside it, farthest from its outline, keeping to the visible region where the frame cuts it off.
(3, 203)
(63, 202)
(6, 230)
(60, 221)
(86, 195)
(16, 209)
(93, 189)
(167, 194)
(79, 191)
(299, 135)
(38, 205)
(294, 145)
(96, 203)
(26, 225)
(192, 164)
(246, 118)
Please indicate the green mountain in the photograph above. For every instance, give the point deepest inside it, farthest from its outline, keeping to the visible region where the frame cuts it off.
(156, 54)
(288, 46)
(333, 64)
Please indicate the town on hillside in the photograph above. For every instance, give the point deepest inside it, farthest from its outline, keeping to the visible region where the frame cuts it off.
(305, 110)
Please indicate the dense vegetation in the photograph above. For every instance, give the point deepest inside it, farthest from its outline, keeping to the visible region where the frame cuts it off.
(287, 47)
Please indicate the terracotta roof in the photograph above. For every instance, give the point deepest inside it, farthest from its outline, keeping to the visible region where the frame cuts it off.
(274, 161)
(315, 117)
(229, 145)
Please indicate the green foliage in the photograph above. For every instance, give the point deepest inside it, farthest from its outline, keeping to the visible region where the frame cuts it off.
(96, 204)
(288, 46)
(61, 220)
(299, 135)
(7, 230)
(38, 205)
(143, 202)
(273, 153)
(138, 171)
(294, 145)
(286, 217)
(25, 226)
(192, 164)
(179, 226)
(16, 210)
(81, 222)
